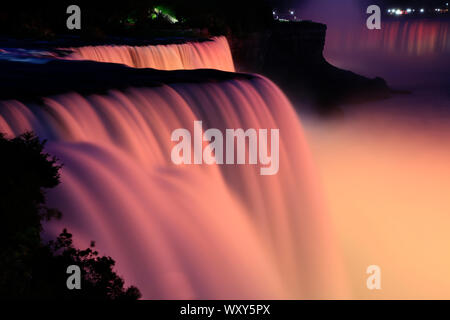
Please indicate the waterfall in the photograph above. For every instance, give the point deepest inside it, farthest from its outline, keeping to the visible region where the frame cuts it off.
(411, 38)
(187, 231)
(396, 38)
(402, 36)
(212, 54)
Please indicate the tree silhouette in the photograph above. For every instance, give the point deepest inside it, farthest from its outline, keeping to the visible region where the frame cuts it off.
(30, 268)
(47, 19)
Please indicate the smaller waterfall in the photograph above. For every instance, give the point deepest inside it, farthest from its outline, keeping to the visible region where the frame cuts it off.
(401, 38)
(213, 54)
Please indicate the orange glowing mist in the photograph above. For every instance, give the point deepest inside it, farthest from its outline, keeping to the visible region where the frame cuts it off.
(386, 179)
(211, 54)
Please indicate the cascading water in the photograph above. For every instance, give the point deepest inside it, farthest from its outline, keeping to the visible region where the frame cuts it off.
(402, 38)
(212, 54)
(187, 231)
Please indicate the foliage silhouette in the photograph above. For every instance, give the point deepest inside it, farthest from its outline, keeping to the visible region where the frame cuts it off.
(30, 268)
(47, 19)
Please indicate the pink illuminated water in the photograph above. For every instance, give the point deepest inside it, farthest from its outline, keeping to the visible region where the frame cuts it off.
(405, 36)
(213, 54)
(187, 231)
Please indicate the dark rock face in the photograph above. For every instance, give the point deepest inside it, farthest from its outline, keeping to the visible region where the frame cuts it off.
(279, 47)
(291, 54)
(30, 82)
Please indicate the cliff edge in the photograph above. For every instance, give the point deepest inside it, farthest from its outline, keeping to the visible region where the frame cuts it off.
(291, 54)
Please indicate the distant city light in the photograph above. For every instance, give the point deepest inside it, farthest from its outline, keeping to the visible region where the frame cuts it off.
(408, 11)
(285, 15)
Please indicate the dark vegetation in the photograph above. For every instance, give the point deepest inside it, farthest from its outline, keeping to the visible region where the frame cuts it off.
(47, 19)
(29, 267)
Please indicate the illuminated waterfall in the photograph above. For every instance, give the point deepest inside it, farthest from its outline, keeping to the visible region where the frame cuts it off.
(416, 38)
(187, 231)
(212, 54)
(402, 38)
